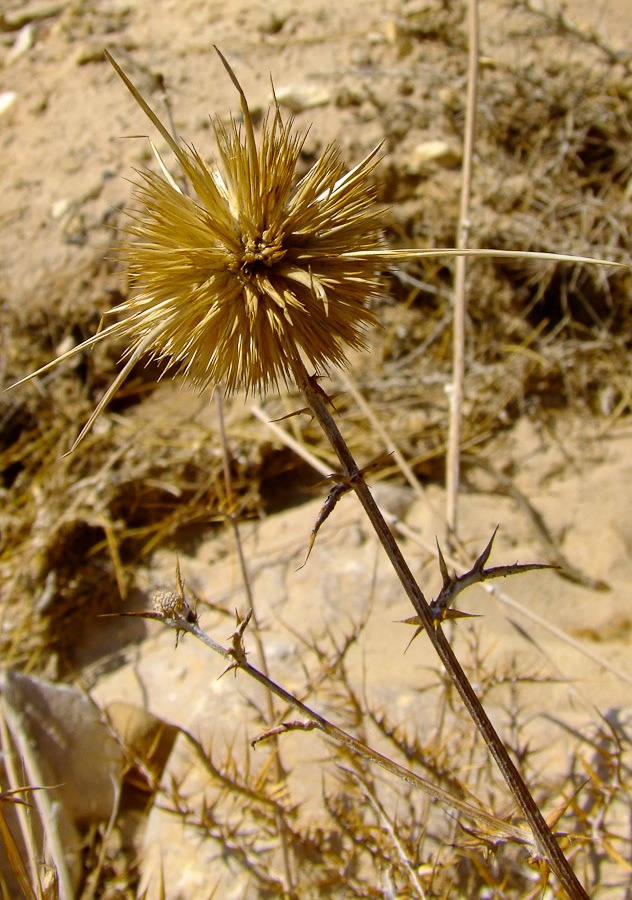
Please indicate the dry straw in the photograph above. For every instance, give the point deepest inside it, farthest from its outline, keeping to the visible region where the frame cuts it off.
(255, 281)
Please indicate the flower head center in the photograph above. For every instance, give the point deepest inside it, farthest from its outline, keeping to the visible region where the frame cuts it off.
(266, 248)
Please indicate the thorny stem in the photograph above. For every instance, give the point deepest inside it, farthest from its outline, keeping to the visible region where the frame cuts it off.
(238, 660)
(545, 841)
(392, 830)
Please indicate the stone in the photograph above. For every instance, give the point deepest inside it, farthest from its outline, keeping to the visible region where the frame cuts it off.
(7, 99)
(424, 155)
(302, 95)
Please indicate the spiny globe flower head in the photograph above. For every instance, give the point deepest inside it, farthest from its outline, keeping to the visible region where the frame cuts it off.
(234, 283)
(254, 274)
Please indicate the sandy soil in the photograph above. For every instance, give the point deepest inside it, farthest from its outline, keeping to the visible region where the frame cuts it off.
(63, 183)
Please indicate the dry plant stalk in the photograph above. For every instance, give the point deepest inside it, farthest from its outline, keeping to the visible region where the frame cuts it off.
(173, 609)
(247, 285)
(453, 457)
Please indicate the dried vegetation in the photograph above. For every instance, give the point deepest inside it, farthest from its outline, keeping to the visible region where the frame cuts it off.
(553, 168)
(553, 163)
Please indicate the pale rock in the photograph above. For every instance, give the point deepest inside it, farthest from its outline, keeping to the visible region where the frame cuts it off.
(351, 94)
(361, 56)
(303, 95)
(66, 344)
(89, 52)
(60, 208)
(426, 154)
(76, 747)
(7, 98)
(22, 44)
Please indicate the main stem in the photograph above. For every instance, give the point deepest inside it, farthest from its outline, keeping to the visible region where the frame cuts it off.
(545, 841)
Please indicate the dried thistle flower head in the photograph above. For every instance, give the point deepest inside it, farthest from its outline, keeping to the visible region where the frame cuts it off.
(238, 283)
(234, 284)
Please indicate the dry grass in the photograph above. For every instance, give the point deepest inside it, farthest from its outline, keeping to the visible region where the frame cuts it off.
(370, 836)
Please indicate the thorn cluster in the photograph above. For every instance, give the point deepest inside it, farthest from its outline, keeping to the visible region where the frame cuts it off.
(442, 607)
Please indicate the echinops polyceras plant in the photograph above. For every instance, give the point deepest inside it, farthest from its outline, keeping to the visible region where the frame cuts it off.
(255, 272)
(254, 278)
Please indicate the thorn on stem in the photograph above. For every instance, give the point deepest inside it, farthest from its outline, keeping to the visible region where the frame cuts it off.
(284, 728)
(237, 650)
(442, 607)
(479, 565)
(442, 566)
